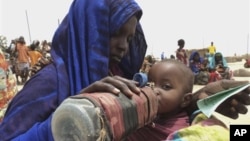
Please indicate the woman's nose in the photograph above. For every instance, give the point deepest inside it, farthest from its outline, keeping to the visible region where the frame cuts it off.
(123, 45)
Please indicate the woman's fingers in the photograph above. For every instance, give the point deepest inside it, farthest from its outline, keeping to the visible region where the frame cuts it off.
(243, 97)
(221, 85)
(226, 84)
(228, 112)
(100, 86)
(130, 85)
(114, 85)
(232, 108)
(213, 87)
(239, 107)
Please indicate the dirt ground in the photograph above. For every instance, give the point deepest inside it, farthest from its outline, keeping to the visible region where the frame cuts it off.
(243, 119)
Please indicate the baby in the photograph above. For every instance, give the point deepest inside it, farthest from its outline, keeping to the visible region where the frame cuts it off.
(173, 85)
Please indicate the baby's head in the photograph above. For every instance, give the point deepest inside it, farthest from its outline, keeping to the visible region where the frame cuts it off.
(173, 85)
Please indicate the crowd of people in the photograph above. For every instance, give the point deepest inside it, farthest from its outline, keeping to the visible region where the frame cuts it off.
(209, 67)
(23, 57)
(99, 49)
(19, 62)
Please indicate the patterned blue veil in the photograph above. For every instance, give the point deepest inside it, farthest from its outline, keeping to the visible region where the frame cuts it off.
(80, 50)
(81, 43)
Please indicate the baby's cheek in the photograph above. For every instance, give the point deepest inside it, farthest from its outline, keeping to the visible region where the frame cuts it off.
(166, 106)
(161, 104)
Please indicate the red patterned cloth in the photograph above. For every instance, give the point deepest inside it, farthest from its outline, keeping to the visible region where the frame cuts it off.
(126, 115)
(8, 86)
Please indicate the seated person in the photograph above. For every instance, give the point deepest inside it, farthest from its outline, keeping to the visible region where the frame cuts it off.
(198, 65)
(147, 63)
(205, 64)
(218, 68)
(247, 63)
(8, 86)
(173, 85)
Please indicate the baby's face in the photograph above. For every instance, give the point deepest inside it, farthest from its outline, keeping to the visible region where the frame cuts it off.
(168, 86)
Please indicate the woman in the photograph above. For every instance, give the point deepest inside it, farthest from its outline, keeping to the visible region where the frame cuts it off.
(95, 39)
(199, 68)
(218, 68)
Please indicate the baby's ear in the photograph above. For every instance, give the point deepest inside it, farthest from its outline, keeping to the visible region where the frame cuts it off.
(186, 100)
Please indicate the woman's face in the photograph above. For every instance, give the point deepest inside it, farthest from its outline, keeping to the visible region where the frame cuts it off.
(196, 57)
(119, 42)
(218, 57)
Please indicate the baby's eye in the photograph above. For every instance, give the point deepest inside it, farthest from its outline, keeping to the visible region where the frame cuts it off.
(166, 87)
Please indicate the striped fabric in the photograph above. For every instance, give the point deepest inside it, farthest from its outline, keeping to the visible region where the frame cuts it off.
(125, 115)
(8, 85)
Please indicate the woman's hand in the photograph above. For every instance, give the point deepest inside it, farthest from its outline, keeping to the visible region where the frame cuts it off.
(115, 85)
(233, 106)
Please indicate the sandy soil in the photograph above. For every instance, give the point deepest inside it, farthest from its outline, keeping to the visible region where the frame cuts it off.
(243, 119)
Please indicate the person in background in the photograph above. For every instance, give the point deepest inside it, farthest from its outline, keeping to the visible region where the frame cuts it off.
(198, 65)
(42, 62)
(111, 40)
(181, 54)
(172, 56)
(34, 54)
(23, 60)
(45, 47)
(212, 49)
(147, 63)
(247, 63)
(13, 55)
(219, 69)
(162, 56)
(8, 85)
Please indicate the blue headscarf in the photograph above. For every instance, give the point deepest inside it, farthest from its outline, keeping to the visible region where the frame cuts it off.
(213, 63)
(192, 64)
(83, 48)
(80, 52)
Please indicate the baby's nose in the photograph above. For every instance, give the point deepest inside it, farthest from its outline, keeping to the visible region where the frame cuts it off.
(156, 91)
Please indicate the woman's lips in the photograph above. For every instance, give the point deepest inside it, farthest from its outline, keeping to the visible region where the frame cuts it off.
(116, 58)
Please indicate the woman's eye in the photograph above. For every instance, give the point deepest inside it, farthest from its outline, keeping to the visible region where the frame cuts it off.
(116, 34)
(129, 39)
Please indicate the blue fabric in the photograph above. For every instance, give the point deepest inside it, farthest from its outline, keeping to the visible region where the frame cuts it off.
(213, 64)
(192, 66)
(80, 50)
(34, 133)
